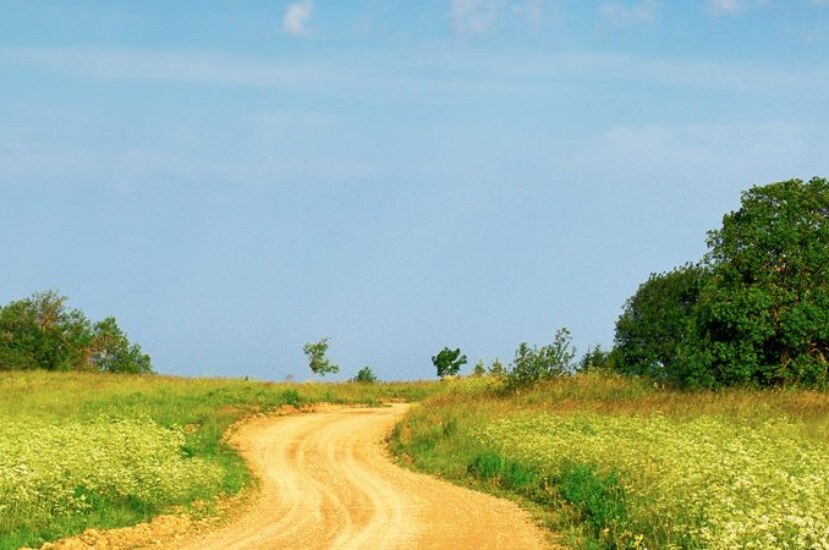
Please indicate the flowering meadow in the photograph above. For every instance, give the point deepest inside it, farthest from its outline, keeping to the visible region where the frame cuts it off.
(50, 471)
(81, 450)
(707, 481)
(610, 462)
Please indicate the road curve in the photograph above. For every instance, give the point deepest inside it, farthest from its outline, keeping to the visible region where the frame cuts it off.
(326, 482)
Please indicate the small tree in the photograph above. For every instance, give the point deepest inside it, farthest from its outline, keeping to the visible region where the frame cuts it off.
(448, 362)
(497, 368)
(479, 369)
(318, 362)
(533, 364)
(365, 375)
(598, 360)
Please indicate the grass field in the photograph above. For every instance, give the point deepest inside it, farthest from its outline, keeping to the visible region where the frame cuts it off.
(81, 450)
(616, 463)
(607, 461)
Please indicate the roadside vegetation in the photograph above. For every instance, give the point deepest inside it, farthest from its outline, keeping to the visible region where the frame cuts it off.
(81, 450)
(616, 462)
(705, 426)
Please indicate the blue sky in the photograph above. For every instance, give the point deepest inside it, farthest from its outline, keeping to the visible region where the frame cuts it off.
(233, 179)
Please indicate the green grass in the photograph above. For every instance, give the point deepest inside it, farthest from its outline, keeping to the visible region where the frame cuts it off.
(59, 474)
(618, 463)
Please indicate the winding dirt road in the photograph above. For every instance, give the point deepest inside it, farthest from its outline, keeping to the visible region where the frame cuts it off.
(326, 482)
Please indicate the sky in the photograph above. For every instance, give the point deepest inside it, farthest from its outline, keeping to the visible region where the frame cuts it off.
(232, 179)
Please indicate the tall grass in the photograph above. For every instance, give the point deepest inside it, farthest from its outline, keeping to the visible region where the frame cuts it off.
(619, 463)
(80, 450)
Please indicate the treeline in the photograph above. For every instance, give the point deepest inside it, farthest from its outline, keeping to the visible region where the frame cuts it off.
(41, 332)
(753, 311)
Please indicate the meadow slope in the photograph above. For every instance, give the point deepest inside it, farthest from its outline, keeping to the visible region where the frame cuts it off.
(83, 450)
(620, 463)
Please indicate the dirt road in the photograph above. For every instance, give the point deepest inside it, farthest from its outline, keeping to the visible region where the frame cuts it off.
(328, 483)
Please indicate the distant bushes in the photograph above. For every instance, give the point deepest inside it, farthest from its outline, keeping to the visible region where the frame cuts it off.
(41, 332)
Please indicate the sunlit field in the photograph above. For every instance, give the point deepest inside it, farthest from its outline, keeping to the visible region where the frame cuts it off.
(616, 463)
(81, 450)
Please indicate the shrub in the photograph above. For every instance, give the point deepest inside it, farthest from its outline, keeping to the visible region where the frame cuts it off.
(531, 364)
(365, 375)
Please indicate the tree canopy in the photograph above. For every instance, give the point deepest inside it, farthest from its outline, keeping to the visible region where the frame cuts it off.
(764, 316)
(448, 362)
(755, 312)
(657, 321)
(41, 332)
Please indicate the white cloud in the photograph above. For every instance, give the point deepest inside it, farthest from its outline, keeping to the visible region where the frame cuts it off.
(476, 16)
(734, 6)
(296, 17)
(628, 15)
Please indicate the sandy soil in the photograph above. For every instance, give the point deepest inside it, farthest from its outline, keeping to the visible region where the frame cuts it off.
(326, 481)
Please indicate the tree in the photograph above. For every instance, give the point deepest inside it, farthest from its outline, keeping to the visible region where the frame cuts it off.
(657, 321)
(365, 375)
(317, 360)
(111, 351)
(532, 364)
(497, 368)
(764, 316)
(479, 369)
(596, 359)
(448, 362)
(41, 332)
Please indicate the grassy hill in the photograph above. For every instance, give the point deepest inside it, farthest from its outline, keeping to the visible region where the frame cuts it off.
(80, 450)
(620, 463)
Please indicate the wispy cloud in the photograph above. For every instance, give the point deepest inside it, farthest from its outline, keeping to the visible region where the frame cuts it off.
(296, 17)
(734, 6)
(622, 14)
(169, 66)
(474, 16)
(750, 152)
(531, 10)
(435, 76)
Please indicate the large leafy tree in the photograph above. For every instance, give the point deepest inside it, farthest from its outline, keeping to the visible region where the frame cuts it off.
(658, 322)
(764, 316)
(41, 332)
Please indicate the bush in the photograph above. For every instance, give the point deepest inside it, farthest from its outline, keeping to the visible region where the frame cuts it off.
(365, 375)
(531, 364)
